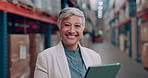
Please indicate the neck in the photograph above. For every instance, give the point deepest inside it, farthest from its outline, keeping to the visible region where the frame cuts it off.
(71, 47)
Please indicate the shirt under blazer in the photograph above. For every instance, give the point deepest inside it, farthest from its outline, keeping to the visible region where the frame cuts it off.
(52, 62)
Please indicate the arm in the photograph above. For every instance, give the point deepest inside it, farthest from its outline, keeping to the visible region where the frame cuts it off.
(41, 68)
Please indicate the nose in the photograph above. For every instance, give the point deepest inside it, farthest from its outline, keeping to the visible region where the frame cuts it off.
(71, 29)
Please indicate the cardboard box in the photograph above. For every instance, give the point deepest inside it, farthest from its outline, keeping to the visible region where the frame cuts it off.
(18, 47)
(3, 0)
(18, 55)
(134, 38)
(35, 43)
(121, 43)
(145, 55)
(144, 31)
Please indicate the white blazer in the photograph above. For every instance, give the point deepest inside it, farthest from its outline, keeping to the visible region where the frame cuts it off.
(52, 62)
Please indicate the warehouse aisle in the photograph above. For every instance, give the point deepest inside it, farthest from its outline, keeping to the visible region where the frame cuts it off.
(130, 68)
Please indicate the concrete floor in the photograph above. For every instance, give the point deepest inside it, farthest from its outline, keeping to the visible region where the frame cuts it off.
(129, 67)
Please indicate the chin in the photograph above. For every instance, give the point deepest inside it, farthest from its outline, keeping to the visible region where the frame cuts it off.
(70, 43)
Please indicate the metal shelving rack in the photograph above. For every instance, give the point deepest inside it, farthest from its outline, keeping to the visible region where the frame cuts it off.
(126, 27)
(3, 44)
(11, 11)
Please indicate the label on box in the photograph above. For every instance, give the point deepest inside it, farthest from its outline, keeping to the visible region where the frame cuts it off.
(145, 46)
(145, 30)
(23, 52)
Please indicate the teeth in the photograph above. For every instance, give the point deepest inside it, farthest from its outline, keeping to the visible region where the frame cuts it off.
(71, 36)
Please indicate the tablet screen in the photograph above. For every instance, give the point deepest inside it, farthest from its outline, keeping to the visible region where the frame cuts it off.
(103, 71)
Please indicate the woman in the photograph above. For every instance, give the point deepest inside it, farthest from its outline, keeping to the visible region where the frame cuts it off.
(68, 59)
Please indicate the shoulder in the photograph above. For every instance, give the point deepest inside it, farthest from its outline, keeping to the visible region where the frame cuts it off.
(91, 55)
(89, 51)
(48, 51)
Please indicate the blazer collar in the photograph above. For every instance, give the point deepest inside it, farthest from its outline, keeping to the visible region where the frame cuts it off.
(85, 57)
(62, 61)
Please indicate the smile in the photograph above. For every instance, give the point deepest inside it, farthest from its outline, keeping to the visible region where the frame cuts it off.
(71, 36)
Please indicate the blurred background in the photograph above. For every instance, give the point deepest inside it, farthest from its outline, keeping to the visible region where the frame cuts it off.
(116, 29)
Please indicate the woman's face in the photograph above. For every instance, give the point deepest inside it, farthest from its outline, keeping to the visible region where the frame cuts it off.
(71, 31)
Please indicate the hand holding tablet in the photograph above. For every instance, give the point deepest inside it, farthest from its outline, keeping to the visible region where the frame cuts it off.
(103, 71)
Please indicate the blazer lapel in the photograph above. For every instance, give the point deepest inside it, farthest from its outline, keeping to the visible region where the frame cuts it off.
(62, 61)
(85, 57)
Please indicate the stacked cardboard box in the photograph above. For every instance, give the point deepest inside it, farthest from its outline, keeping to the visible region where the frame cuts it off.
(140, 4)
(18, 56)
(51, 7)
(3, 0)
(13, 1)
(134, 38)
(144, 43)
(144, 31)
(55, 39)
(121, 43)
(122, 15)
(145, 55)
(27, 2)
(37, 3)
(35, 40)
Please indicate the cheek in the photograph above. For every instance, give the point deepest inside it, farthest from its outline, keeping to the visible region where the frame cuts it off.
(81, 33)
(62, 32)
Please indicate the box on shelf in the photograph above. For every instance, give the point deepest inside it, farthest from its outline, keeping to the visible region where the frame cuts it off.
(3, 0)
(121, 43)
(144, 31)
(145, 55)
(122, 16)
(13, 1)
(37, 3)
(18, 56)
(54, 39)
(35, 40)
(140, 4)
(27, 4)
(118, 4)
(51, 7)
(134, 38)
(127, 11)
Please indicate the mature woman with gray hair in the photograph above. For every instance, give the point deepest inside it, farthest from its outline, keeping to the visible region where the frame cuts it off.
(68, 59)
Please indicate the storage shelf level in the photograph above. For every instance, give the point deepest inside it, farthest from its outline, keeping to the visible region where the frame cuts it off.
(11, 8)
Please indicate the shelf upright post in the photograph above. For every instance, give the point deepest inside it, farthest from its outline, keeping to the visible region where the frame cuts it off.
(48, 33)
(63, 3)
(13, 24)
(3, 45)
(132, 8)
(137, 41)
(124, 32)
(130, 39)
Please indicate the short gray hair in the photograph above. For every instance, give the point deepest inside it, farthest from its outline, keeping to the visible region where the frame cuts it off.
(70, 11)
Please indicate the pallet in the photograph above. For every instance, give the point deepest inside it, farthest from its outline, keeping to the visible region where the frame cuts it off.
(38, 10)
(23, 5)
(26, 6)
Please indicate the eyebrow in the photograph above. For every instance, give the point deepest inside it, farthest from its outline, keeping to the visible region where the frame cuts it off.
(70, 23)
(78, 23)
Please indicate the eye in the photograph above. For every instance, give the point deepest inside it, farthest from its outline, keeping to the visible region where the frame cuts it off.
(78, 26)
(66, 25)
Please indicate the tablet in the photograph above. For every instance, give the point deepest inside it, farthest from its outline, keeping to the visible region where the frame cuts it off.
(103, 71)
